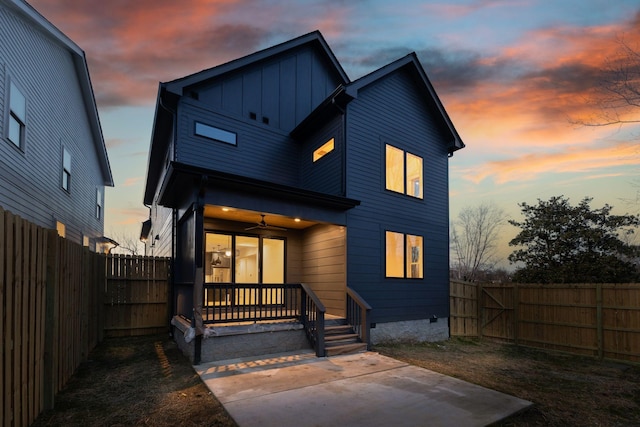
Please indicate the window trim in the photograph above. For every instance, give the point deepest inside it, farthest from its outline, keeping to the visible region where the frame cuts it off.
(215, 133)
(407, 265)
(65, 182)
(98, 203)
(406, 190)
(13, 116)
(324, 149)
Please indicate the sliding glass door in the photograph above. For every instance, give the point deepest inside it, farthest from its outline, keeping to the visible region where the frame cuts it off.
(244, 259)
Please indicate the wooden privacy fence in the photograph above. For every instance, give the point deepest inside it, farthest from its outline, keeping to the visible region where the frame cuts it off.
(54, 299)
(601, 320)
(136, 296)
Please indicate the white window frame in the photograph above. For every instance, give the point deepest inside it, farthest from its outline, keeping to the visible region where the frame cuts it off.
(17, 116)
(98, 203)
(65, 182)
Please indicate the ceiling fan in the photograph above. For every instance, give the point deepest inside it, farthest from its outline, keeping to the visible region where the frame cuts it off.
(264, 226)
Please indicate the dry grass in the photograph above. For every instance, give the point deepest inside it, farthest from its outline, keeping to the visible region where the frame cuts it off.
(136, 381)
(566, 390)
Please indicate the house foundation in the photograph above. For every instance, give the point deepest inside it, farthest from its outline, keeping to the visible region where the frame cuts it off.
(222, 342)
(422, 330)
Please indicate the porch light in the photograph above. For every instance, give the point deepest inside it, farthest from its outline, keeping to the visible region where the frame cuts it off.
(297, 219)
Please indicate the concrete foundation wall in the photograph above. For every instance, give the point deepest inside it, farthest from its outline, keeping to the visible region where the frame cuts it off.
(414, 330)
(231, 342)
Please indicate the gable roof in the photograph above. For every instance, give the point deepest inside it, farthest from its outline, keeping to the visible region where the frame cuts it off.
(169, 93)
(82, 71)
(411, 62)
(313, 38)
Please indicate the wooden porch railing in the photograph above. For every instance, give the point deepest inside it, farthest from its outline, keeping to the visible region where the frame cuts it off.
(358, 316)
(312, 318)
(237, 302)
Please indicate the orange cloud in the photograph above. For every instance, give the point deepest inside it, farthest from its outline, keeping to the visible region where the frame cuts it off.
(570, 160)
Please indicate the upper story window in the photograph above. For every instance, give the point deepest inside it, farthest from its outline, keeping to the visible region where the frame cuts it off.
(215, 133)
(403, 255)
(403, 172)
(325, 149)
(66, 170)
(17, 116)
(98, 203)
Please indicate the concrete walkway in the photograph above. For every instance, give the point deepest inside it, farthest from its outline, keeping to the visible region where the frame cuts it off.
(366, 389)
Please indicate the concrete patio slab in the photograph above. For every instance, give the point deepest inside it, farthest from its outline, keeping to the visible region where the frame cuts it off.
(365, 389)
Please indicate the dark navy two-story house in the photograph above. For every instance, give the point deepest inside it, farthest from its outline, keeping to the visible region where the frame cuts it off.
(276, 171)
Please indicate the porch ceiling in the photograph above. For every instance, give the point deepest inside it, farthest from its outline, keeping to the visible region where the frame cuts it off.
(253, 217)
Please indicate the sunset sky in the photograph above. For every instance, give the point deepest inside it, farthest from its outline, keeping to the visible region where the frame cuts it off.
(515, 77)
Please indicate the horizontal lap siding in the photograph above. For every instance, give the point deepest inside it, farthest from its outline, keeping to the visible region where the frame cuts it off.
(324, 265)
(326, 174)
(30, 181)
(393, 112)
(260, 153)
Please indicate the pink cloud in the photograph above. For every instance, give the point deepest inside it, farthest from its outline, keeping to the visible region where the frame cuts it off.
(570, 160)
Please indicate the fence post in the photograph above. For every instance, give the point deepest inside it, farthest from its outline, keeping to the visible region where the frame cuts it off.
(479, 303)
(599, 326)
(516, 302)
(50, 371)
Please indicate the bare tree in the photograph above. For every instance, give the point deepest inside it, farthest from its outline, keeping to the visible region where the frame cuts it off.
(127, 244)
(474, 237)
(617, 93)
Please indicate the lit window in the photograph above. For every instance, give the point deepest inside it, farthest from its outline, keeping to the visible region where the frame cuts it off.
(394, 254)
(98, 203)
(215, 133)
(325, 149)
(414, 176)
(406, 180)
(395, 169)
(61, 229)
(66, 170)
(17, 116)
(403, 254)
(85, 241)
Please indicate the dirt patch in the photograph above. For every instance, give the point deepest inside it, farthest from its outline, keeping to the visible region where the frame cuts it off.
(136, 381)
(566, 389)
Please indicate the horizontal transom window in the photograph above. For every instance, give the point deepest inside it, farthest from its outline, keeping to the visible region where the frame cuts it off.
(215, 133)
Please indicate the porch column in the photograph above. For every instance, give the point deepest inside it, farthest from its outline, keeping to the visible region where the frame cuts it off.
(198, 280)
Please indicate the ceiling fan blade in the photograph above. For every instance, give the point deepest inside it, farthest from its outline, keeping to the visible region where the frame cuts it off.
(273, 227)
(252, 228)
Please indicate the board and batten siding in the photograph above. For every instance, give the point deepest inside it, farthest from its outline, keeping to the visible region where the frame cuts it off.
(261, 152)
(391, 111)
(324, 265)
(282, 90)
(30, 179)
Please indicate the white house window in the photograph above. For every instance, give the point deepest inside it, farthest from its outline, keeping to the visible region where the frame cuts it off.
(66, 170)
(325, 149)
(217, 134)
(17, 116)
(98, 203)
(403, 172)
(403, 255)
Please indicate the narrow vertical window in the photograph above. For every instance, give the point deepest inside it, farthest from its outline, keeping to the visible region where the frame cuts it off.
(394, 169)
(98, 203)
(394, 254)
(61, 229)
(414, 176)
(414, 257)
(66, 170)
(17, 116)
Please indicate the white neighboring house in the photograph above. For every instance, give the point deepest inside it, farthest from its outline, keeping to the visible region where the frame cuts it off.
(53, 159)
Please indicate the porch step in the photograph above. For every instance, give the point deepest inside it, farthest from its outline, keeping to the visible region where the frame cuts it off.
(340, 338)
